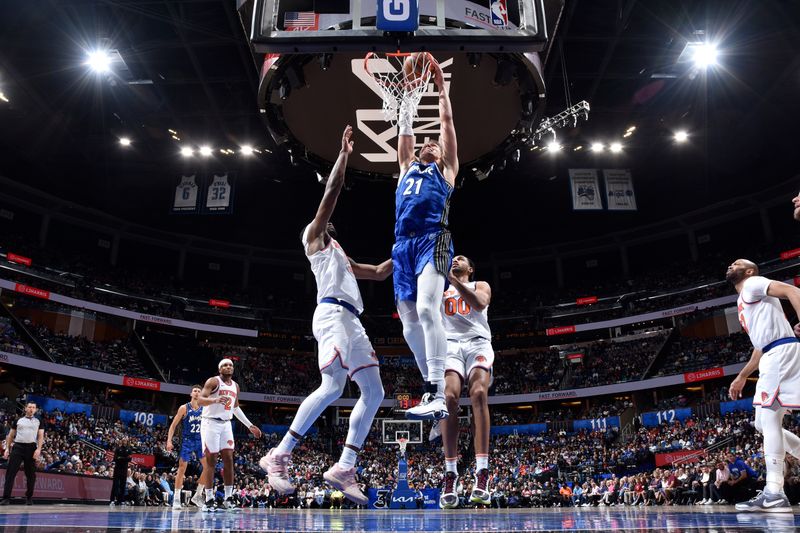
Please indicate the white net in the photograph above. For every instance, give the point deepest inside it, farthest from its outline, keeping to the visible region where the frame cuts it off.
(403, 443)
(401, 79)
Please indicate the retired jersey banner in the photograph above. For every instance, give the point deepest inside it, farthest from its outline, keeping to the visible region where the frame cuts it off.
(619, 189)
(585, 188)
(185, 200)
(219, 195)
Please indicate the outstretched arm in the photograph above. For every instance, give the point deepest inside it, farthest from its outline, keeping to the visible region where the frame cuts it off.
(373, 272)
(449, 141)
(317, 229)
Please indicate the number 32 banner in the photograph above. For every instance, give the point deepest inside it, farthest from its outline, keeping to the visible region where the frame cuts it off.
(219, 195)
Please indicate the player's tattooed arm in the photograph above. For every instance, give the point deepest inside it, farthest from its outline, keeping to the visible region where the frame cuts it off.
(317, 230)
(373, 272)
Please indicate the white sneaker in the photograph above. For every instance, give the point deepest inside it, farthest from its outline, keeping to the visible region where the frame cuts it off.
(176, 504)
(766, 503)
(435, 432)
(275, 464)
(430, 408)
(197, 499)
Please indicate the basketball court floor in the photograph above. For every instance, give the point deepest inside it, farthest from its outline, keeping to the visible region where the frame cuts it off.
(72, 519)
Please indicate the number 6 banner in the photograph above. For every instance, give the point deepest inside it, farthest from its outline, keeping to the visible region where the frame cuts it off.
(185, 200)
(219, 195)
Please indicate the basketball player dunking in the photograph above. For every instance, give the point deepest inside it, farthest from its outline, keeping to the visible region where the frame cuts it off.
(191, 446)
(776, 355)
(469, 361)
(423, 248)
(220, 401)
(343, 347)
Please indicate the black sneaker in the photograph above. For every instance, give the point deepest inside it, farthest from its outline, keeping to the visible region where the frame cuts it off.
(766, 503)
(28, 501)
(5, 501)
(210, 506)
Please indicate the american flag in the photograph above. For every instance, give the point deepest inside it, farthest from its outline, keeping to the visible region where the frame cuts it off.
(300, 21)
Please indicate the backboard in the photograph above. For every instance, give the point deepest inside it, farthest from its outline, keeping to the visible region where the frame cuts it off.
(313, 79)
(316, 26)
(392, 430)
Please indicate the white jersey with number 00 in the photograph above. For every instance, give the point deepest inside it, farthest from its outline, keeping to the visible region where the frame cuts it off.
(461, 321)
(761, 316)
(335, 278)
(220, 410)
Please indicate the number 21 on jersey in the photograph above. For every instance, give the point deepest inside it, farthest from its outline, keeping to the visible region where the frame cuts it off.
(412, 184)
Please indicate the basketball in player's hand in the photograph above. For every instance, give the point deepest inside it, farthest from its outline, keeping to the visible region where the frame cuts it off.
(416, 68)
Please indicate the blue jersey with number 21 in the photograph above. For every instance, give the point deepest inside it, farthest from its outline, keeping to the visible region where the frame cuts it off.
(422, 201)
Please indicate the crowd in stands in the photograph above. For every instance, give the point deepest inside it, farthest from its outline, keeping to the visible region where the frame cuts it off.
(689, 354)
(115, 357)
(10, 341)
(555, 468)
(616, 362)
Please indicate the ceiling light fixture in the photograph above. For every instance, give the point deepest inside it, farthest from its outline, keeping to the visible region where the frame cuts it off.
(187, 151)
(124, 141)
(681, 136)
(205, 151)
(246, 150)
(99, 61)
(615, 148)
(598, 147)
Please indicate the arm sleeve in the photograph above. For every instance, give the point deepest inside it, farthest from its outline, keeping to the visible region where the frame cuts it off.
(755, 289)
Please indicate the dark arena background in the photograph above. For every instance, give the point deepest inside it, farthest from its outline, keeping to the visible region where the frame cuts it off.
(160, 158)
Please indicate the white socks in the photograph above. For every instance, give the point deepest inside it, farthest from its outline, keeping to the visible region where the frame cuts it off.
(209, 494)
(451, 465)
(228, 491)
(481, 462)
(287, 444)
(348, 458)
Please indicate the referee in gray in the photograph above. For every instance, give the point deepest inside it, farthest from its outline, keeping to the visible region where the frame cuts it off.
(24, 442)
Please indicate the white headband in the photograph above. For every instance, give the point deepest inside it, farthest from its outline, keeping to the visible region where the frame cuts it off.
(224, 361)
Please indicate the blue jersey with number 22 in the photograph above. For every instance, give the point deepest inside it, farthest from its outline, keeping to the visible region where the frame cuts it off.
(422, 201)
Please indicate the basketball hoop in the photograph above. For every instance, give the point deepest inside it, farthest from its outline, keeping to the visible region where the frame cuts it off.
(402, 79)
(403, 443)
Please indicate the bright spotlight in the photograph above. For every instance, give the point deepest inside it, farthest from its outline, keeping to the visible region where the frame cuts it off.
(247, 150)
(99, 61)
(615, 148)
(187, 151)
(681, 136)
(205, 151)
(124, 141)
(3, 97)
(553, 146)
(598, 147)
(705, 55)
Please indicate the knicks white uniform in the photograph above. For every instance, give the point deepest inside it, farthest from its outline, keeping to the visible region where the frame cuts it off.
(342, 343)
(469, 339)
(763, 319)
(216, 432)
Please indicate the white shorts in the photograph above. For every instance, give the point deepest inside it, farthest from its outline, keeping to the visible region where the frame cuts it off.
(342, 342)
(216, 435)
(465, 356)
(779, 377)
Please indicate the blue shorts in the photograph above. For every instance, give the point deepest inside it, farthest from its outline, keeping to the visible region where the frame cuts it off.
(191, 450)
(411, 254)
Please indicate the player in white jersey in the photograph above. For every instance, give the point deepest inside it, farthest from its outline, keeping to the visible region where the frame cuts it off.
(776, 354)
(343, 347)
(220, 401)
(469, 361)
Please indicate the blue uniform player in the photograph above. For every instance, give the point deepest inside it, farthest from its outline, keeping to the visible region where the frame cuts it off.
(191, 446)
(423, 249)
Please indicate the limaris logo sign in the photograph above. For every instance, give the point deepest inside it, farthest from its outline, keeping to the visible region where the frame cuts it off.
(32, 291)
(373, 124)
(703, 375)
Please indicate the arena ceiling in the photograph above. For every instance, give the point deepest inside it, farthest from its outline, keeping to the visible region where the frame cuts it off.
(185, 67)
